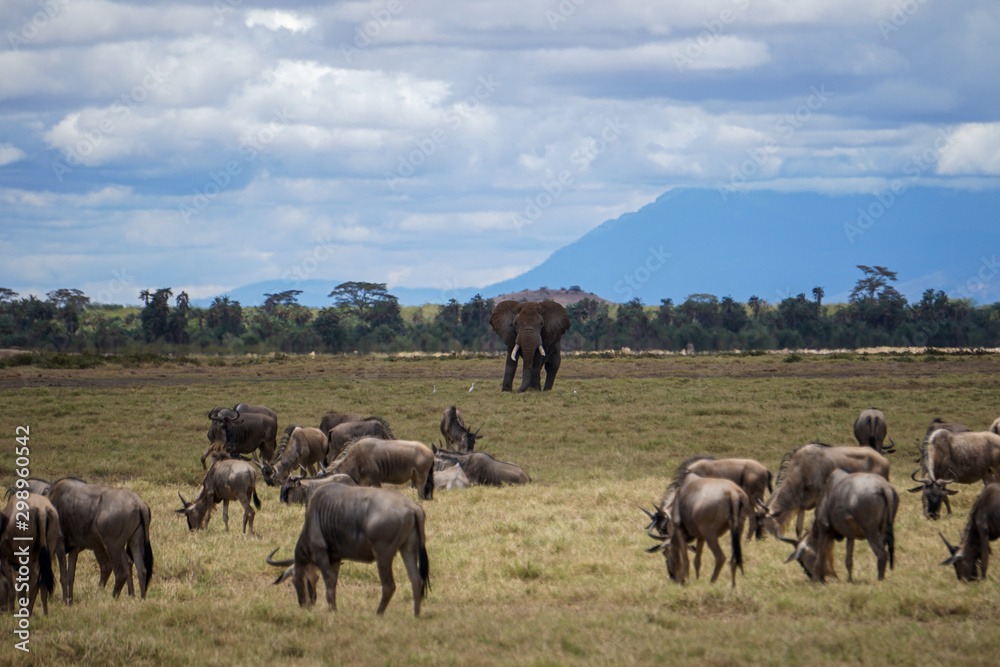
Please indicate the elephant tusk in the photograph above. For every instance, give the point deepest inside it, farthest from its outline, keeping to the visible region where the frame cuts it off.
(541, 350)
(513, 353)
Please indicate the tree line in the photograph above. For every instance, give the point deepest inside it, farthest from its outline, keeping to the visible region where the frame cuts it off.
(365, 317)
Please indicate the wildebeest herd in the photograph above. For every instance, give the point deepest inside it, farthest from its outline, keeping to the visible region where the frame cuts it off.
(337, 471)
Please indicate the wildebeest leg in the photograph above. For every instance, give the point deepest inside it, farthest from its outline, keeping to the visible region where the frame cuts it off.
(225, 514)
(947, 503)
(410, 553)
(697, 559)
(385, 576)
(798, 524)
(720, 558)
(984, 552)
(849, 558)
(330, 571)
(248, 514)
(123, 574)
(66, 571)
(881, 556)
(104, 563)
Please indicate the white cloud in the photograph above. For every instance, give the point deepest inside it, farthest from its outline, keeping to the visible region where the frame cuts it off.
(10, 153)
(275, 19)
(973, 148)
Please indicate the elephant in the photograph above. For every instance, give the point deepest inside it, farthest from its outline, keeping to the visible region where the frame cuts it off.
(534, 329)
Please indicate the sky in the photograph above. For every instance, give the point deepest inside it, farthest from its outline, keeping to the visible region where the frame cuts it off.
(204, 146)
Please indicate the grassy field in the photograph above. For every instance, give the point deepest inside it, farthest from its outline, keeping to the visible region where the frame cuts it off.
(551, 573)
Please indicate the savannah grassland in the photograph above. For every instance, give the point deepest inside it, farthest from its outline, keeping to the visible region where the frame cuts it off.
(551, 573)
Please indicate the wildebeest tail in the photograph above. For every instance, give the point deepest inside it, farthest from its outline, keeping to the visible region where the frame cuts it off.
(46, 580)
(770, 489)
(429, 484)
(147, 548)
(735, 511)
(423, 563)
(256, 500)
(890, 545)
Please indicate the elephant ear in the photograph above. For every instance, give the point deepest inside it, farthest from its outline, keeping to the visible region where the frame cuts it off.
(502, 321)
(555, 320)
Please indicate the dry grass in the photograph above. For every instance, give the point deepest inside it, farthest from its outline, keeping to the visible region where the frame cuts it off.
(551, 573)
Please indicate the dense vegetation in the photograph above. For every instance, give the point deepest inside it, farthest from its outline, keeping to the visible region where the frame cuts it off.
(367, 318)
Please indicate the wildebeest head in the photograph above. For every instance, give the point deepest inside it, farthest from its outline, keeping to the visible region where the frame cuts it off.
(223, 420)
(966, 566)
(303, 579)
(671, 543)
(807, 556)
(194, 511)
(934, 492)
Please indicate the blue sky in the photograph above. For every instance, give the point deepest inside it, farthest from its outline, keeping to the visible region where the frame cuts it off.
(428, 144)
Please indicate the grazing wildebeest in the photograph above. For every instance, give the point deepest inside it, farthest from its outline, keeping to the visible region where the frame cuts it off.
(870, 431)
(481, 468)
(112, 522)
(751, 476)
(803, 475)
(341, 434)
(858, 505)
(360, 524)
(228, 479)
(373, 461)
(455, 433)
(331, 419)
(297, 489)
(29, 536)
(303, 446)
(234, 433)
(971, 557)
(702, 509)
(947, 457)
(34, 485)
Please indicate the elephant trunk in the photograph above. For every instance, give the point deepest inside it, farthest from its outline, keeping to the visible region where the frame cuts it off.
(530, 342)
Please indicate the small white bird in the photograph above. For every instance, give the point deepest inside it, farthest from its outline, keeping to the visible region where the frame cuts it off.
(435, 390)
(473, 386)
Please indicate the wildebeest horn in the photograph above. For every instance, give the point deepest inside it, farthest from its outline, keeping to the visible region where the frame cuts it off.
(213, 412)
(279, 563)
(477, 432)
(795, 554)
(648, 513)
(513, 353)
(923, 480)
(183, 502)
(891, 449)
(951, 549)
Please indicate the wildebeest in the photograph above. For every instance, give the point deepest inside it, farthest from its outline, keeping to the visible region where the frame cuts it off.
(108, 521)
(803, 475)
(948, 426)
(853, 506)
(701, 509)
(360, 524)
(303, 446)
(341, 434)
(331, 419)
(259, 409)
(452, 477)
(948, 457)
(29, 536)
(751, 476)
(995, 426)
(234, 433)
(34, 485)
(228, 479)
(870, 431)
(972, 555)
(298, 489)
(455, 432)
(481, 468)
(373, 461)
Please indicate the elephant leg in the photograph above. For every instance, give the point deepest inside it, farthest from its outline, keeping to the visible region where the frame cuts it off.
(509, 371)
(551, 367)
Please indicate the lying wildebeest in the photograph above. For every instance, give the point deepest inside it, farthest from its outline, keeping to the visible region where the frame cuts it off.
(34, 485)
(702, 509)
(235, 433)
(298, 489)
(361, 524)
(972, 555)
(331, 419)
(853, 506)
(803, 475)
(751, 476)
(870, 431)
(112, 522)
(303, 446)
(228, 479)
(373, 461)
(29, 536)
(995, 426)
(948, 457)
(948, 426)
(341, 434)
(451, 477)
(481, 468)
(455, 433)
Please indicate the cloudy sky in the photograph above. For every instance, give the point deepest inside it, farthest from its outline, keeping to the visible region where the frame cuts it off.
(205, 146)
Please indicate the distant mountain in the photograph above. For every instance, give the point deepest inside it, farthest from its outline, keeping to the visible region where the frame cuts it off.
(757, 243)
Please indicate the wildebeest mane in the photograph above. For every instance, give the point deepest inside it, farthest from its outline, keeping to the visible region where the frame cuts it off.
(383, 422)
(679, 475)
(783, 468)
(343, 453)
